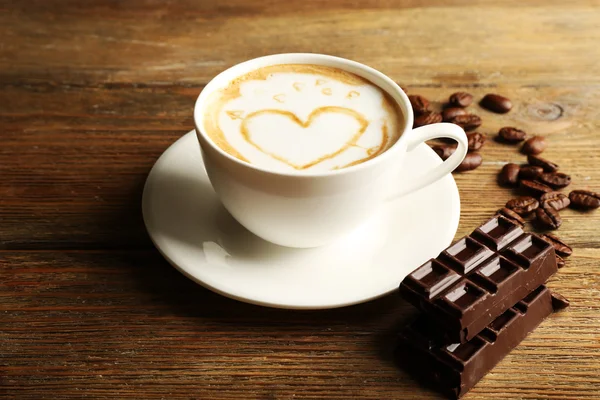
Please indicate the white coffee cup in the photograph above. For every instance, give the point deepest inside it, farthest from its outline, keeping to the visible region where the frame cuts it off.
(309, 209)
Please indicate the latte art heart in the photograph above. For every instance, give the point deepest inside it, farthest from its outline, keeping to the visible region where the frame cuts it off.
(295, 117)
(326, 133)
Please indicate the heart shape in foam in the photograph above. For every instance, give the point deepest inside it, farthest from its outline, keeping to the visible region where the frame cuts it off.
(326, 133)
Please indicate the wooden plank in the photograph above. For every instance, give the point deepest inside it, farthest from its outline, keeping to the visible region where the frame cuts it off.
(89, 324)
(74, 159)
(178, 42)
(91, 95)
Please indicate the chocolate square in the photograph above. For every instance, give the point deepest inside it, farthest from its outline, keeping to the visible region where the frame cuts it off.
(527, 250)
(431, 278)
(494, 273)
(466, 254)
(497, 233)
(461, 297)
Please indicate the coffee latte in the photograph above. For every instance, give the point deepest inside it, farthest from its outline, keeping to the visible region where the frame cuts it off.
(302, 117)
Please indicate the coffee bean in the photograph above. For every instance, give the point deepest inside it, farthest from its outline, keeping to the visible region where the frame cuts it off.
(444, 150)
(548, 218)
(511, 215)
(509, 175)
(534, 145)
(534, 186)
(559, 302)
(556, 200)
(548, 166)
(476, 140)
(584, 199)
(560, 262)
(426, 118)
(512, 135)
(530, 172)
(557, 180)
(471, 161)
(468, 122)
(461, 99)
(452, 112)
(419, 103)
(496, 103)
(523, 205)
(560, 247)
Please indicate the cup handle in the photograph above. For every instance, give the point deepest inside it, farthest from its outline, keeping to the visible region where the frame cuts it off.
(428, 132)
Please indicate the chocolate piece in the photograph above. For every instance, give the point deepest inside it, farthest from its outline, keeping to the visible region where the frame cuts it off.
(456, 368)
(477, 278)
(560, 262)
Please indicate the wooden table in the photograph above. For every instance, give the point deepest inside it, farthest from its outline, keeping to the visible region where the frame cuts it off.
(93, 92)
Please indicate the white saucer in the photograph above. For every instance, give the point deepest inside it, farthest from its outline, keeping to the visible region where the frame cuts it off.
(196, 235)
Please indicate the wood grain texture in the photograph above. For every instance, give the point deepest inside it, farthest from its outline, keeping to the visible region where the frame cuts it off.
(91, 93)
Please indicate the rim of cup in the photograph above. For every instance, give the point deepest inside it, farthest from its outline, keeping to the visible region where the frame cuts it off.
(375, 77)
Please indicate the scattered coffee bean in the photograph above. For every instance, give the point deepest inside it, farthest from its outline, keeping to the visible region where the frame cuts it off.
(584, 199)
(496, 103)
(476, 140)
(444, 150)
(452, 112)
(461, 99)
(523, 205)
(512, 135)
(548, 218)
(560, 262)
(530, 172)
(468, 122)
(556, 200)
(559, 302)
(426, 118)
(511, 215)
(534, 145)
(548, 166)
(509, 175)
(419, 103)
(535, 186)
(557, 180)
(560, 247)
(471, 161)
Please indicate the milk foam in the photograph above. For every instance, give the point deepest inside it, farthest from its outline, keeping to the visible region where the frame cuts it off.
(290, 118)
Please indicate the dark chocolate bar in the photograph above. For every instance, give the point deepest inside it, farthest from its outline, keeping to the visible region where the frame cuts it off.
(477, 278)
(455, 369)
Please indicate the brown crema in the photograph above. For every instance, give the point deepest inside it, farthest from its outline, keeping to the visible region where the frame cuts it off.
(219, 99)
